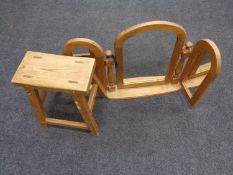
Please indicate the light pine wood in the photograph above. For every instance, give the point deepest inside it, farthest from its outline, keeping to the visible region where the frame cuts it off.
(91, 100)
(186, 90)
(151, 90)
(148, 27)
(43, 95)
(82, 55)
(111, 82)
(34, 98)
(201, 70)
(95, 51)
(48, 72)
(148, 87)
(162, 84)
(103, 91)
(110, 63)
(152, 86)
(184, 55)
(57, 72)
(75, 74)
(66, 123)
(83, 107)
(200, 49)
(143, 81)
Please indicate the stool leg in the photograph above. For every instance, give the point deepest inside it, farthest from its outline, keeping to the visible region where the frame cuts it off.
(43, 94)
(82, 105)
(34, 98)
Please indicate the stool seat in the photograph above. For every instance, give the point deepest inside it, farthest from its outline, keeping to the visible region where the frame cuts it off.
(55, 72)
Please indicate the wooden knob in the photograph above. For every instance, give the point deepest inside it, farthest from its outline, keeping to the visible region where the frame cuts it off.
(188, 45)
(108, 53)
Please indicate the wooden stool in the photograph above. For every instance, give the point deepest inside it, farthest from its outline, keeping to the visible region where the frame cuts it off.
(39, 73)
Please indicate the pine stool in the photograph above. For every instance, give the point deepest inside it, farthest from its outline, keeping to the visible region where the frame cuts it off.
(39, 73)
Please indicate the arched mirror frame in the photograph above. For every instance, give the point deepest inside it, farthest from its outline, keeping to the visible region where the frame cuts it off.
(202, 47)
(178, 30)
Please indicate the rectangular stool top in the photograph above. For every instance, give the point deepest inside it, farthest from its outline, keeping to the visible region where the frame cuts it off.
(55, 72)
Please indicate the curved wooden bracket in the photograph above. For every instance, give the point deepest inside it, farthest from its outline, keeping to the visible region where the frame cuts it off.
(204, 46)
(95, 49)
(178, 30)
